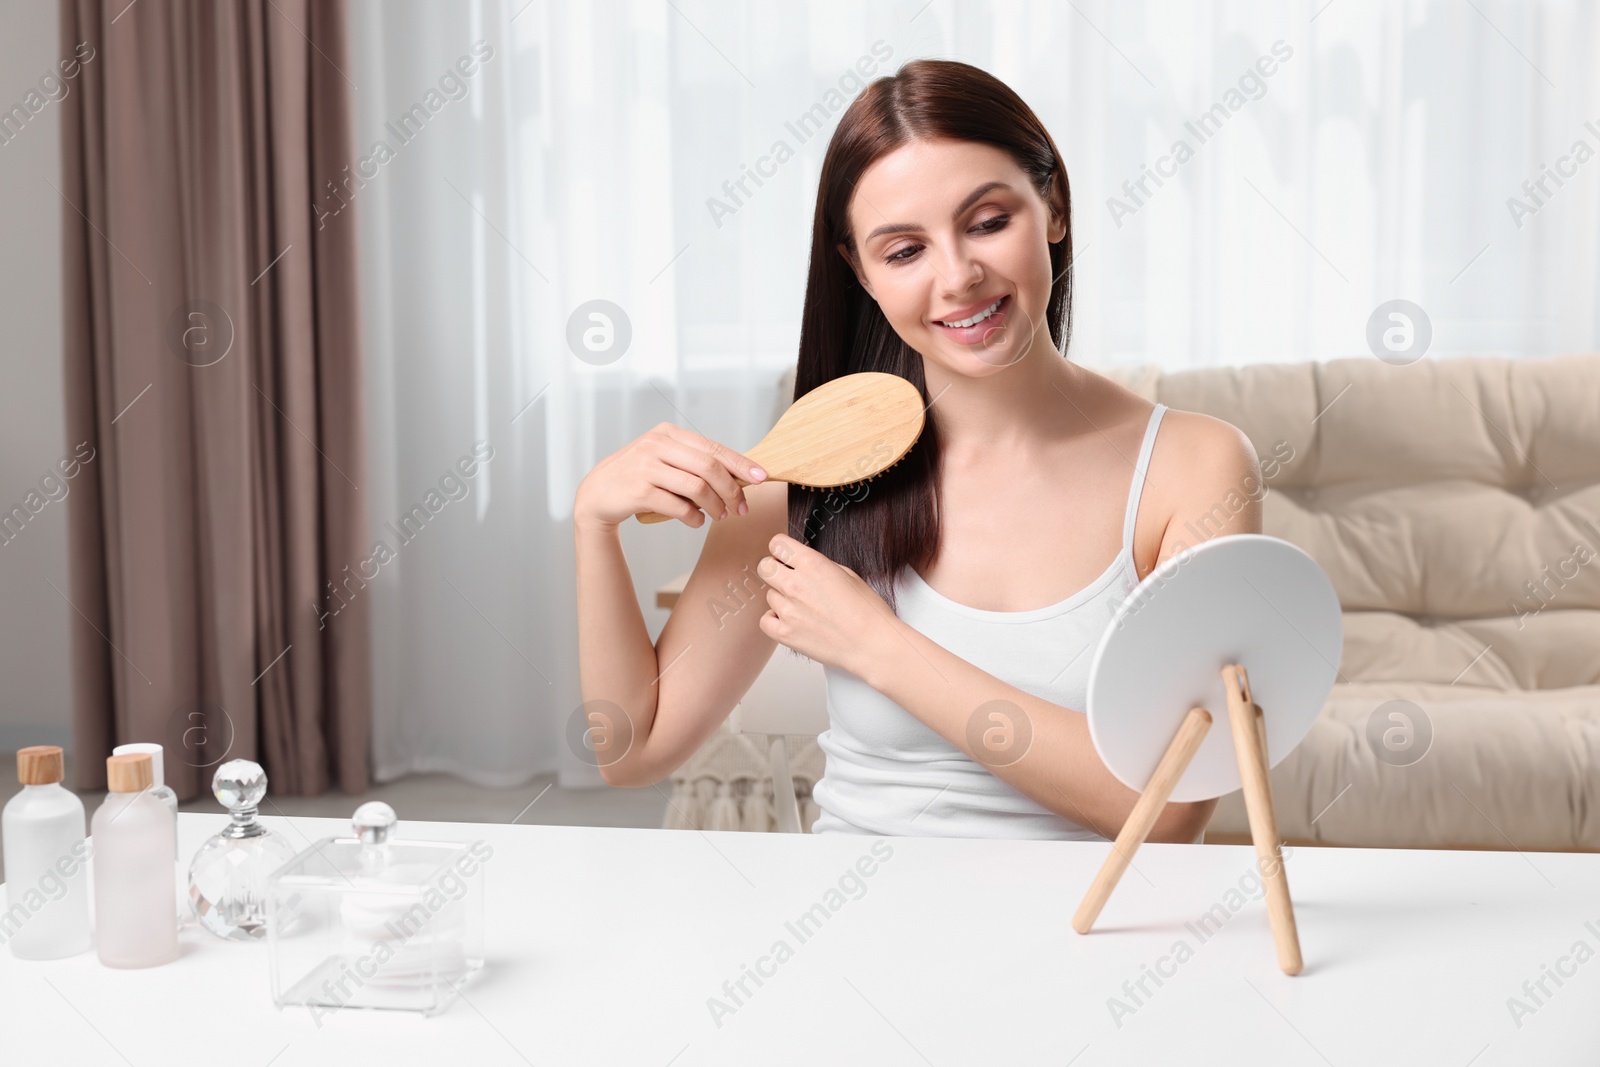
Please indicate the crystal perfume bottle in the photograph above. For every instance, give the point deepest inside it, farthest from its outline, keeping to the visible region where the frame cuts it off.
(384, 922)
(228, 877)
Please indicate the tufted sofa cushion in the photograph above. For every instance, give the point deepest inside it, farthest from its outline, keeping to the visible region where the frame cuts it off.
(1455, 505)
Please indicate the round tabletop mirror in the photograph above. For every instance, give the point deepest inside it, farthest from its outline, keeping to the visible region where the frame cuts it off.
(1249, 599)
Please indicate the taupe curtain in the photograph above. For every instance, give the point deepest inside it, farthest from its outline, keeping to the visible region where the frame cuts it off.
(211, 364)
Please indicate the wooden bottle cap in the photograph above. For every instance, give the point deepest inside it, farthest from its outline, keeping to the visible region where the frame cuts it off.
(39, 765)
(129, 773)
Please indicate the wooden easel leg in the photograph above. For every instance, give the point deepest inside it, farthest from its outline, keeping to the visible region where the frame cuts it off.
(1250, 745)
(1173, 763)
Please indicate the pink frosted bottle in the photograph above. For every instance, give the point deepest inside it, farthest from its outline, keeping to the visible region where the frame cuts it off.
(133, 873)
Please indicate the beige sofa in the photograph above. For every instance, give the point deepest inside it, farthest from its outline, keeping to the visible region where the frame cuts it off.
(1455, 504)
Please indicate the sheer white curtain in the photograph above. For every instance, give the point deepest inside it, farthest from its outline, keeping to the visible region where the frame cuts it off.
(1250, 181)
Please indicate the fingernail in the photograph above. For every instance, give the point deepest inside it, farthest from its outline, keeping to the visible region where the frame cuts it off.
(757, 473)
(743, 507)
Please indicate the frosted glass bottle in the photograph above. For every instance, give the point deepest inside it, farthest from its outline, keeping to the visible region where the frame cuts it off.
(162, 792)
(135, 925)
(46, 860)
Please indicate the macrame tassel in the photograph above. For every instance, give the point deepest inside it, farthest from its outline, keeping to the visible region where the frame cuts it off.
(697, 796)
(705, 791)
(724, 813)
(758, 817)
(808, 813)
(677, 815)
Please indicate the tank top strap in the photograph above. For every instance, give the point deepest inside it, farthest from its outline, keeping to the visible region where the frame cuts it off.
(1140, 469)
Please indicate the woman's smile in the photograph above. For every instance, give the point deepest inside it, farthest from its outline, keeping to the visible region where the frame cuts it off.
(989, 318)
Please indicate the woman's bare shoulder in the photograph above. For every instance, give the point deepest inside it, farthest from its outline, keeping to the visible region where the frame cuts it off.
(1199, 442)
(1198, 464)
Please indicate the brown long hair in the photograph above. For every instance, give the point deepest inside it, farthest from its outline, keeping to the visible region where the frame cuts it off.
(893, 520)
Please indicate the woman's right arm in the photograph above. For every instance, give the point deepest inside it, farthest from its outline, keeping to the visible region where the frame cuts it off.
(649, 707)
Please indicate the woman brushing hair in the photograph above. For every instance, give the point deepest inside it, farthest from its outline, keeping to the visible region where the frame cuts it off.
(955, 601)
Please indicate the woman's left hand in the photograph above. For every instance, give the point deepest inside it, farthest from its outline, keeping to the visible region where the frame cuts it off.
(818, 608)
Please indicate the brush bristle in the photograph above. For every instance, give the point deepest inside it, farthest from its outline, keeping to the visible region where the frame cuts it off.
(842, 485)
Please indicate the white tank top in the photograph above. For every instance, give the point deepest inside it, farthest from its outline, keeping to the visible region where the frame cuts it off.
(885, 772)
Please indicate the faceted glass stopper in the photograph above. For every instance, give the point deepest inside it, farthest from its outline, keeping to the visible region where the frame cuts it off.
(239, 783)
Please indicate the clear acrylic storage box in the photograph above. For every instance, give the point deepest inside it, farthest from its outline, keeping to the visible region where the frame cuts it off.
(374, 921)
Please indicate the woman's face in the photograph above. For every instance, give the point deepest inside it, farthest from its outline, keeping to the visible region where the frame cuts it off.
(945, 230)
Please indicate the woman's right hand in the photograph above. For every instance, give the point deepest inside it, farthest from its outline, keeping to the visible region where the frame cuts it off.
(675, 472)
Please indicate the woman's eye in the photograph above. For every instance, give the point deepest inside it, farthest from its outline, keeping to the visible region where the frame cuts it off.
(991, 225)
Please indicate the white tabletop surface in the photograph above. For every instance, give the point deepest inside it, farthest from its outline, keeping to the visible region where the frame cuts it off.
(605, 945)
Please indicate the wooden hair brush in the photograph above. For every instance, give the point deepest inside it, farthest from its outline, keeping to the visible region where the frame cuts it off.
(844, 431)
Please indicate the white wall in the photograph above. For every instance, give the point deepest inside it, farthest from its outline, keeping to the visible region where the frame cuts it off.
(35, 682)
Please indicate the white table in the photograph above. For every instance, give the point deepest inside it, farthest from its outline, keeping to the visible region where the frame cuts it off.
(605, 946)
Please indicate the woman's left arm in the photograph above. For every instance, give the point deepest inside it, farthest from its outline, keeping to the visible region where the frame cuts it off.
(828, 613)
